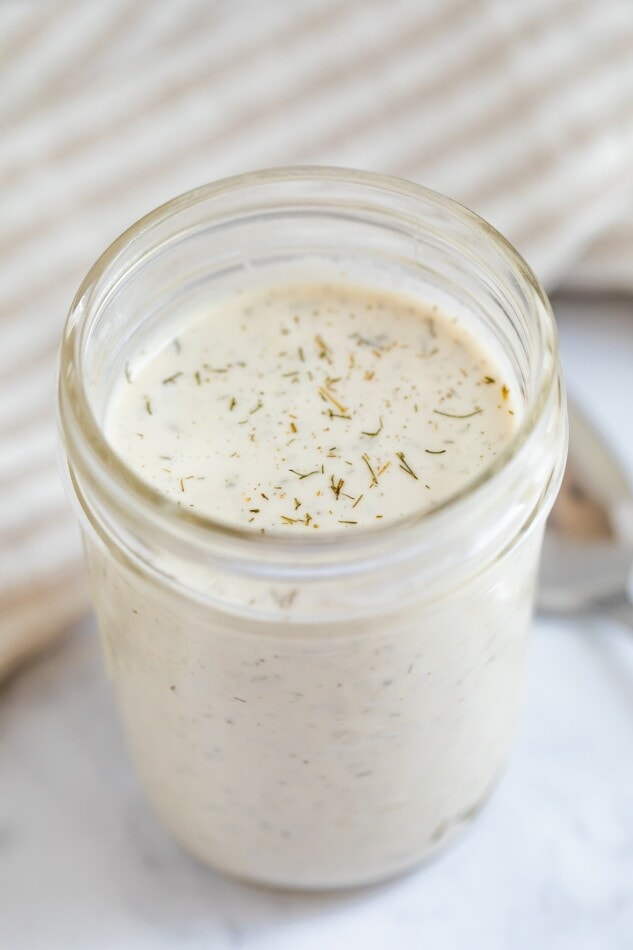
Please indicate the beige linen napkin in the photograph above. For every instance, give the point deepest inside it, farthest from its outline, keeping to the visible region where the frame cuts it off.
(523, 110)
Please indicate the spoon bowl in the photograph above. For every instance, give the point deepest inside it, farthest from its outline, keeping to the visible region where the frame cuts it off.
(588, 547)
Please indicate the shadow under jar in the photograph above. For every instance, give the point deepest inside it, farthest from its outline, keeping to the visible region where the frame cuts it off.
(314, 711)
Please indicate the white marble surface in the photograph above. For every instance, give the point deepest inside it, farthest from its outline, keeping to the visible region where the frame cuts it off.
(548, 866)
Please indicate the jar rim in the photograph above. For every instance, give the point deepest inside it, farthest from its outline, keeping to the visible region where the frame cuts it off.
(77, 414)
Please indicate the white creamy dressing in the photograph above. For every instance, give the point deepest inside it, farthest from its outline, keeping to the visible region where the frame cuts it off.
(312, 407)
(308, 751)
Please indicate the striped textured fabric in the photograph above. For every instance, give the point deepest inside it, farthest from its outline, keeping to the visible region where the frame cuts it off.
(522, 110)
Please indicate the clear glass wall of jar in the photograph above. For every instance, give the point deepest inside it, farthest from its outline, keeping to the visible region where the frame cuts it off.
(313, 713)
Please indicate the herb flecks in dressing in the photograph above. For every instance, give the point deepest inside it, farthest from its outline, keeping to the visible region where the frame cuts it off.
(344, 405)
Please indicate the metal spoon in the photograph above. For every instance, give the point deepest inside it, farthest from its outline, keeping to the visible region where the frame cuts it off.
(587, 562)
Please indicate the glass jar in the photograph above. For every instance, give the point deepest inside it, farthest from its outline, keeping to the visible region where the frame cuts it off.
(314, 712)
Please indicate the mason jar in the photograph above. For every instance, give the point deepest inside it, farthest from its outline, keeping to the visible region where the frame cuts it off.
(313, 712)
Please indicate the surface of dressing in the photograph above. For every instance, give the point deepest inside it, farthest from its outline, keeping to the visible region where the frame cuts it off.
(312, 407)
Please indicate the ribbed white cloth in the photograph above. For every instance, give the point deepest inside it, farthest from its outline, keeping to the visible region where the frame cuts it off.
(522, 110)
